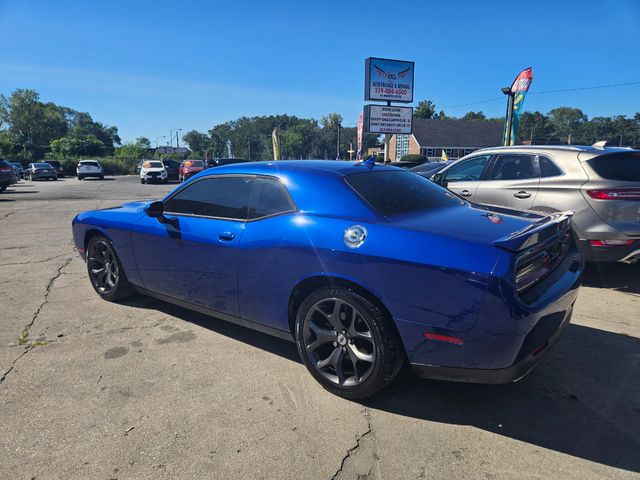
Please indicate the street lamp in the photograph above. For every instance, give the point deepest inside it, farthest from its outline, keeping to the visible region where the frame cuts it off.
(509, 119)
(171, 136)
(158, 138)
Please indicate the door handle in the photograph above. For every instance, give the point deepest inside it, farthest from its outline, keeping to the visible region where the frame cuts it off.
(226, 236)
(522, 194)
(465, 193)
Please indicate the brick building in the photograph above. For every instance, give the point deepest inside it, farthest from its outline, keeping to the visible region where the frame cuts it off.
(457, 137)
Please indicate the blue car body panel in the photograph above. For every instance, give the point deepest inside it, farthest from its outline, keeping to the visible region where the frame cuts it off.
(436, 271)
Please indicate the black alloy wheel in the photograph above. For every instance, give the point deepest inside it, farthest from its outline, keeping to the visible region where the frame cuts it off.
(347, 343)
(105, 271)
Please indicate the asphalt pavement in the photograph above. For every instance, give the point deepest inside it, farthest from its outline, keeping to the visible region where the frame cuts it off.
(144, 389)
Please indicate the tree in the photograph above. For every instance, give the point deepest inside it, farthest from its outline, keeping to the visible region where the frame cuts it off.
(143, 142)
(132, 150)
(567, 123)
(474, 116)
(535, 127)
(74, 146)
(198, 142)
(425, 109)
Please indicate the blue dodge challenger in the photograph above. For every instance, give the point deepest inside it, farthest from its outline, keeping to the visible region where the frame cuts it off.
(364, 266)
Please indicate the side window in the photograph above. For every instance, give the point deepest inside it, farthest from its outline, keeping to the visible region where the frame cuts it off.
(223, 197)
(548, 168)
(513, 167)
(269, 198)
(468, 171)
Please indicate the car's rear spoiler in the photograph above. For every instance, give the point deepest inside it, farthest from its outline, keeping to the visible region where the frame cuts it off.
(537, 232)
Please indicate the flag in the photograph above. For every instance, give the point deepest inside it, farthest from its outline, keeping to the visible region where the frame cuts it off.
(360, 124)
(444, 157)
(519, 90)
(276, 144)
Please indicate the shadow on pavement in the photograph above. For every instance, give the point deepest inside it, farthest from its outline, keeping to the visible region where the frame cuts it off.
(20, 192)
(618, 276)
(583, 400)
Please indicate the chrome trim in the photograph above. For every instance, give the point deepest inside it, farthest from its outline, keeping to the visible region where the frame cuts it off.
(633, 257)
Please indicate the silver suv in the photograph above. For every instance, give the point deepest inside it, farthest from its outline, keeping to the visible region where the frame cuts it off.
(601, 184)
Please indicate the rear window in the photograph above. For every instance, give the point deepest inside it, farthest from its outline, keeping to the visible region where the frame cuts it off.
(53, 163)
(89, 164)
(618, 166)
(395, 192)
(4, 163)
(42, 165)
(193, 163)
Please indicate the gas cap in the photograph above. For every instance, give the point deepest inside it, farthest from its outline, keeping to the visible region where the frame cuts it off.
(354, 236)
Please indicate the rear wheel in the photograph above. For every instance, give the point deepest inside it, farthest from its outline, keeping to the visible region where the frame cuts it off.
(105, 271)
(142, 181)
(348, 344)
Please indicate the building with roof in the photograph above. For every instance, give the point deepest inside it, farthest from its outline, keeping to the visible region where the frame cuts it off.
(457, 137)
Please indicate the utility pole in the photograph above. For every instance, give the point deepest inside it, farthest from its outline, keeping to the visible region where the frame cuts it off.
(509, 116)
(620, 140)
(387, 139)
(158, 138)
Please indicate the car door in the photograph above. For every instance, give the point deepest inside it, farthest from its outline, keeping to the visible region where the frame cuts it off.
(512, 181)
(464, 177)
(190, 253)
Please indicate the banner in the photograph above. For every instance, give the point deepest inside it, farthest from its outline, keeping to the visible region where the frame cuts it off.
(276, 144)
(519, 90)
(360, 124)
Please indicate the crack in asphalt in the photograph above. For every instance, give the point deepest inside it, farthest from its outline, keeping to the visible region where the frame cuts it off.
(352, 451)
(13, 364)
(24, 335)
(37, 261)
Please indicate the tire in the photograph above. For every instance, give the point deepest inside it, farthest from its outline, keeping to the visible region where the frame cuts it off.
(354, 355)
(166, 180)
(101, 177)
(55, 179)
(142, 181)
(3, 188)
(79, 177)
(105, 271)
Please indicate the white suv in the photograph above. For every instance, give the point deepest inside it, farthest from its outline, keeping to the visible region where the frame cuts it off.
(153, 171)
(89, 168)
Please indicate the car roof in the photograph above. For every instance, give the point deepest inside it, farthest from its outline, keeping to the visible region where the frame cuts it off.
(327, 167)
(566, 148)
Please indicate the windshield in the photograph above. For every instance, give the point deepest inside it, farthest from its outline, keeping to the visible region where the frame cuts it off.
(618, 166)
(152, 165)
(394, 192)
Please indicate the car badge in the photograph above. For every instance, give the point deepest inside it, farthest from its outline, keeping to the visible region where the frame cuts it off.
(354, 236)
(493, 218)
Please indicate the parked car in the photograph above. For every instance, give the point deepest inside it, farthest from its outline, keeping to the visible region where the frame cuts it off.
(19, 169)
(89, 168)
(57, 166)
(40, 171)
(172, 167)
(361, 265)
(153, 171)
(189, 168)
(7, 175)
(602, 186)
(218, 162)
(428, 169)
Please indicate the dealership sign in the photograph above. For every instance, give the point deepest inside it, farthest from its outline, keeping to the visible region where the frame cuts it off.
(388, 80)
(387, 119)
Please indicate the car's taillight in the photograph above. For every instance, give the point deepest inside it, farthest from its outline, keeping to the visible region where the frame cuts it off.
(615, 194)
(537, 262)
(5, 169)
(611, 243)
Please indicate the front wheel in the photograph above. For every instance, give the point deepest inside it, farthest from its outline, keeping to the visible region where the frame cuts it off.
(142, 181)
(105, 270)
(348, 343)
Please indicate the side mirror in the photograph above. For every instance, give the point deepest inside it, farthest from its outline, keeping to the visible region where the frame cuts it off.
(155, 209)
(439, 179)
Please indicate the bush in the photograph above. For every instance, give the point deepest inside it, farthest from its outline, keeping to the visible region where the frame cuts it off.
(413, 157)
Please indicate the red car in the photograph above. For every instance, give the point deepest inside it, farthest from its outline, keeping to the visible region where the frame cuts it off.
(189, 168)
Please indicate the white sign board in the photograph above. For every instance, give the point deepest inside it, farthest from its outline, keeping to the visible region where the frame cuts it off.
(388, 80)
(384, 119)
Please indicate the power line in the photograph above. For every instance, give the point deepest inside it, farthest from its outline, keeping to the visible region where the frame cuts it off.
(611, 85)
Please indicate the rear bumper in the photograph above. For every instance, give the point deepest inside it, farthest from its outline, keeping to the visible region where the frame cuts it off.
(495, 375)
(89, 174)
(616, 253)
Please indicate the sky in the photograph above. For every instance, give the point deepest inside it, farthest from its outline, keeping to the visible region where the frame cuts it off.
(151, 66)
